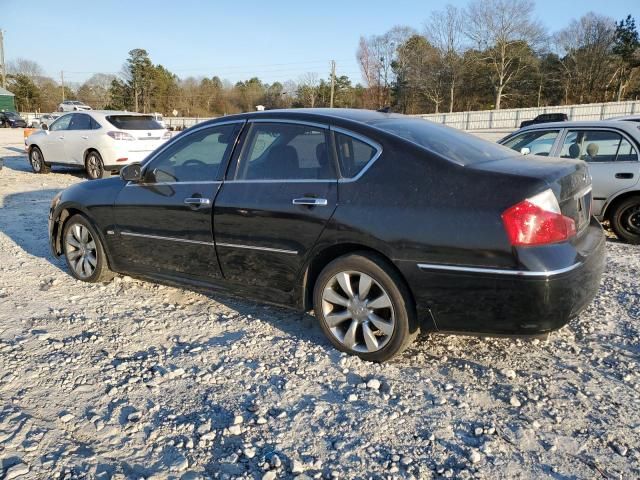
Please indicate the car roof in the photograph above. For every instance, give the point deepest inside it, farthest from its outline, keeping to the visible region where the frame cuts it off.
(625, 117)
(318, 114)
(629, 127)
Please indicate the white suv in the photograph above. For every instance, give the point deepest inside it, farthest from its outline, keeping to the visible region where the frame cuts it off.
(100, 141)
(73, 106)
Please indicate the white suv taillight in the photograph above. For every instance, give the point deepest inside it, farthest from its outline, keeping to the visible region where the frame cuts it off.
(121, 136)
(166, 135)
(537, 221)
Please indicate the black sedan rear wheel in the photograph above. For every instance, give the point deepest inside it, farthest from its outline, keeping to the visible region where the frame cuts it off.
(625, 220)
(83, 251)
(364, 307)
(36, 159)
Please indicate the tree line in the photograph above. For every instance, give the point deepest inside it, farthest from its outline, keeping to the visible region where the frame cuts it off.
(491, 54)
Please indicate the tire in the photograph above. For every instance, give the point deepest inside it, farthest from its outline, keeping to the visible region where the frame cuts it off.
(94, 166)
(625, 220)
(36, 159)
(83, 251)
(346, 320)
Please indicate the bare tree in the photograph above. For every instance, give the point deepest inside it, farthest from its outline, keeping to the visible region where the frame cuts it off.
(308, 88)
(29, 68)
(501, 29)
(444, 30)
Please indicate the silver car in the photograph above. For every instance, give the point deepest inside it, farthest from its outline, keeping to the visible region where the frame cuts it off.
(73, 106)
(611, 151)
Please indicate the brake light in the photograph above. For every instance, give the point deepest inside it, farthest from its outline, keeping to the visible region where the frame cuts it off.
(166, 135)
(121, 136)
(537, 221)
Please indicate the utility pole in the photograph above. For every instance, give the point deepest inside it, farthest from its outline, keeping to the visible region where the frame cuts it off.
(62, 83)
(333, 81)
(4, 68)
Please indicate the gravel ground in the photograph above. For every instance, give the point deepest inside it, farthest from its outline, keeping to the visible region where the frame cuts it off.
(132, 379)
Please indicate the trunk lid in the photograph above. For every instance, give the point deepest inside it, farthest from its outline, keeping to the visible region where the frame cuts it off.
(569, 180)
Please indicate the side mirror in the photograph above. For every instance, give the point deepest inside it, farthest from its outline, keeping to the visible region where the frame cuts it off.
(44, 126)
(131, 173)
(525, 150)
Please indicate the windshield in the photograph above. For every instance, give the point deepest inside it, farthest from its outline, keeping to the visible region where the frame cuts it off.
(452, 144)
(134, 122)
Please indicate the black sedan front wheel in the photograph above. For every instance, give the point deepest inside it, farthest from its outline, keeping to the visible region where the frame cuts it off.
(83, 251)
(364, 307)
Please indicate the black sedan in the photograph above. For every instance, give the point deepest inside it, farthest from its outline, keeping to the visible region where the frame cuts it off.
(12, 119)
(380, 223)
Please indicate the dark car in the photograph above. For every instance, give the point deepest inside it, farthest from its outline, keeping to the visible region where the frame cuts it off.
(12, 119)
(545, 118)
(380, 223)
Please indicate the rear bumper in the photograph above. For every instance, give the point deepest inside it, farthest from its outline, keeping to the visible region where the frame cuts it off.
(512, 302)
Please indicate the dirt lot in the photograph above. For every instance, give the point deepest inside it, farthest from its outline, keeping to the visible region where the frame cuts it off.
(136, 380)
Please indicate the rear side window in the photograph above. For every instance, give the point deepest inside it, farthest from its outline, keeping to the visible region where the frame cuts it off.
(353, 154)
(281, 151)
(134, 122)
(454, 145)
(596, 146)
(539, 142)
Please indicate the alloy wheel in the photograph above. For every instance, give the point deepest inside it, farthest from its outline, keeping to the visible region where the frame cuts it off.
(81, 250)
(358, 311)
(93, 166)
(36, 160)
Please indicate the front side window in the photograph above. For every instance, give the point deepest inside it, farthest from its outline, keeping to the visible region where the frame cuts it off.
(353, 154)
(595, 146)
(61, 124)
(538, 142)
(80, 121)
(194, 158)
(281, 151)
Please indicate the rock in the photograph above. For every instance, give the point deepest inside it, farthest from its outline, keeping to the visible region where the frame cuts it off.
(249, 452)
(475, 456)
(406, 460)
(261, 421)
(297, 467)
(134, 416)
(207, 437)
(66, 418)
(16, 471)
(514, 401)
(235, 430)
(179, 464)
(352, 397)
(374, 384)
(510, 374)
(621, 449)
(271, 475)
(478, 431)
(238, 420)
(275, 461)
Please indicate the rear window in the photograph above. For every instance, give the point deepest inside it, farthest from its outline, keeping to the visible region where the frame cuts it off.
(462, 148)
(134, 122)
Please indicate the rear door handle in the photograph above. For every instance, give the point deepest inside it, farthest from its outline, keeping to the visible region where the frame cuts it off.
(624, 175)
(197, 201)
(85, 137)
(318, 202)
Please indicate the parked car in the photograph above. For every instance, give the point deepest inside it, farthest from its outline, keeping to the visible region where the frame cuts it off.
(48, 118)
(102, 142)
(73, 106)
(611, 151)
(627, 118)
(12, 120)
(545, 118)
(380, 223)
(158, 118)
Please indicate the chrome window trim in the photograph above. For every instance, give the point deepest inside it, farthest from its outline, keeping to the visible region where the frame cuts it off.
(293, 121)
(142, 184)
(302, 180)
(252, 247)
(171, 239)
(498, 271)
(363, 139)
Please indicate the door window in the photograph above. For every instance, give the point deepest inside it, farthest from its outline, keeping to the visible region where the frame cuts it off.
(353, 154)
(61, 124)
(285, 152)
(194, 158)
(538, 142)
(596, 146)
(80, 121)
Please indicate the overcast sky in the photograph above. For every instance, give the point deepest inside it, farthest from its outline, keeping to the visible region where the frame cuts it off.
(274, 40)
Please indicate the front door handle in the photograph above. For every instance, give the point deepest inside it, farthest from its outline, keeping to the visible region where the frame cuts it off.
(624, 175)
(317, 202)
(85, 137)
(196, 202)
(60, 138)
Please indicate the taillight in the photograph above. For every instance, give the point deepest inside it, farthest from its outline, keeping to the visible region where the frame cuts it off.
(121, 136)
(537, 221)
(166, 135)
